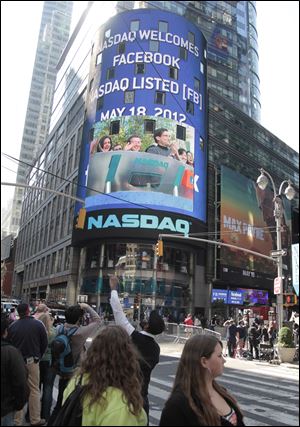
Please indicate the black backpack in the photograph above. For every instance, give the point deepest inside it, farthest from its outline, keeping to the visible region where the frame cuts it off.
(61, 352)
(70, 414)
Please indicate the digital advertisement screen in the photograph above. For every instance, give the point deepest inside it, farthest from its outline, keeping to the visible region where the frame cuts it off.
(255, 296)
(246, 297)
(145, 138)
(219, 294)
(247, 221)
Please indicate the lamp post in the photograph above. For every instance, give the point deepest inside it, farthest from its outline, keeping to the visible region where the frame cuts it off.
(289, 192)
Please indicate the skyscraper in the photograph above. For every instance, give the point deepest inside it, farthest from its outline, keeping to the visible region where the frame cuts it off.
(232, 57)
(53, 36)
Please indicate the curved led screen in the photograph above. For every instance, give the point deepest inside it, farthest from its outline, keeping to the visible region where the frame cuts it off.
(145, 139)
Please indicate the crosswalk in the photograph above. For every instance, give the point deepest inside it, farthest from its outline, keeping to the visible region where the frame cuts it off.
(267, 396)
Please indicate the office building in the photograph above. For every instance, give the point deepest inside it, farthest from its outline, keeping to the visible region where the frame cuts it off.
(232, 48)
(53, 36)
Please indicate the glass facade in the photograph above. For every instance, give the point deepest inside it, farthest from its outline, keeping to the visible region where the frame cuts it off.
(232, 48)
(243, 145)
(163, 283)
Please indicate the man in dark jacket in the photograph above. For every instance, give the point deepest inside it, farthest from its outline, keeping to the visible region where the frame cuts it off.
(30, 337)
(14, 386)
(144, 340)
(253, 336)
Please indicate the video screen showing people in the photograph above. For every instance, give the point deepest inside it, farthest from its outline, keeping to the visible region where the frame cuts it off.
(142, 160)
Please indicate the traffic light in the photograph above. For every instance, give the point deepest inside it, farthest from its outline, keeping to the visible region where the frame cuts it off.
(159, 248)
(81, 219)
(289, 299)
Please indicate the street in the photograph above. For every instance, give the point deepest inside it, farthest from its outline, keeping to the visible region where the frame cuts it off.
(268, 395)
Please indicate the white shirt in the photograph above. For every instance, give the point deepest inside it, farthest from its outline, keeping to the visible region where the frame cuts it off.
(120, 317)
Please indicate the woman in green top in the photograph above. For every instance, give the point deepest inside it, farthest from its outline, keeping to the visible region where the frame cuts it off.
(112, 380)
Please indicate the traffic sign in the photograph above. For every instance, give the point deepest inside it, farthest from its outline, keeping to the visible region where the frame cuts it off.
(281, 252)
(277, 285)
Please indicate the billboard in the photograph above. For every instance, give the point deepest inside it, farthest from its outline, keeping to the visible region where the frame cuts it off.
(144, 147)
(219, 294)
(246, 297)
(247, 220)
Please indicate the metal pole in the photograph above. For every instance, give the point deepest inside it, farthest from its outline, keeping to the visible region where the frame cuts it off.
(278, 215)
(279, 297)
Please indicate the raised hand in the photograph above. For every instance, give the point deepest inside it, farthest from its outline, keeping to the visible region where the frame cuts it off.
(113, 283)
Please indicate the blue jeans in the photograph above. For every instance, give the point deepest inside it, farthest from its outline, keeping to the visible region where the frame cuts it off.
(8, 419)
(47, 377)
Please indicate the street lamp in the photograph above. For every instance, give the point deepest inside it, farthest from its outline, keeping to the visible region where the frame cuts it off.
(289, 192)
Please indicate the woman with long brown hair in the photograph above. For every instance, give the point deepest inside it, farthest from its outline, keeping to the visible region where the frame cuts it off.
(112, 381)
(196, 398)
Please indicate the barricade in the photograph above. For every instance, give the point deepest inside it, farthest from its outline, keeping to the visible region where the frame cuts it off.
(171, 330)
(181, 332)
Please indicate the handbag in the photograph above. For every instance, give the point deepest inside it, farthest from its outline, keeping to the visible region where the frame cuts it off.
(70, 414)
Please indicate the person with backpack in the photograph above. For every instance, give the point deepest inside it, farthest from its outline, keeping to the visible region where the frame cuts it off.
(144, 340)
(106, 389)
(69, 345)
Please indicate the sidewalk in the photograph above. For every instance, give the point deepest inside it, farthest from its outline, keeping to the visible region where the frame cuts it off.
(169, 348)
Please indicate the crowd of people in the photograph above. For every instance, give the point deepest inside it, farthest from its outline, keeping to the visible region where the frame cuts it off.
(114, 372)
(162, 145)
(243, 337)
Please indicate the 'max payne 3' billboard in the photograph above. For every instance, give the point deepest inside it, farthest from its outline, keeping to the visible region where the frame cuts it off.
(144, 154)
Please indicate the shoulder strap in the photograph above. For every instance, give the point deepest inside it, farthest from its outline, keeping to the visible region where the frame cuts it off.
(71, 331)
(60, 330)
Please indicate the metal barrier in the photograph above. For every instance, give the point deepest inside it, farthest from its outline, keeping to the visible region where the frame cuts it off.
(182, 332)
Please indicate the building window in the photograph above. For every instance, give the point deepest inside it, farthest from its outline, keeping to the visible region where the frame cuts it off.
(163, 26)
(134, 25)
(99, 59)
(100, 102)
(140, 68)
(129, 97)
(173, 73)
(110, 74)
(91, 134)
(160, 97)
(91, 85)
(121, 47)
(191, 37)
(149, 126)
(183, 53)
(189, 107)
(153, 46)
(181, 132)
(201, 143)
(115, 127)
(197, 85)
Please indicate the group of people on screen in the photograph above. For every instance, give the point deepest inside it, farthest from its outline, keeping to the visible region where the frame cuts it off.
(162, 145)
